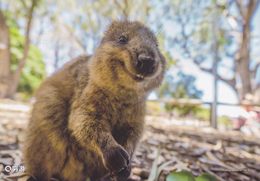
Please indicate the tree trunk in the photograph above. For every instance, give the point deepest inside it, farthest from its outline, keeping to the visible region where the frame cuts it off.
(17, 73)
(4, 56)
(243, 62)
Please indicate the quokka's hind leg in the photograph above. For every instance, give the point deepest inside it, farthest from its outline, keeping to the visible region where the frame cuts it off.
(43, 156)
(33, 161)
(46, 141)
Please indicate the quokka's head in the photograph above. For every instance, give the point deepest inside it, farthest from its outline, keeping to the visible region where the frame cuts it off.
(129, 57)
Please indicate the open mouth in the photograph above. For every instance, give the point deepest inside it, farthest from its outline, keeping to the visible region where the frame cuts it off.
(137, 77)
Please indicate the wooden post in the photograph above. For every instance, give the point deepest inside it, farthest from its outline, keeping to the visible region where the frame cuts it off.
(215, 50)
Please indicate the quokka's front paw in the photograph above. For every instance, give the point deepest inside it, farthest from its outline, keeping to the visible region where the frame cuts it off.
(117, 159)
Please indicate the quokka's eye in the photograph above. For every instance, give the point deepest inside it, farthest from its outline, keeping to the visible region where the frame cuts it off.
(122, 39)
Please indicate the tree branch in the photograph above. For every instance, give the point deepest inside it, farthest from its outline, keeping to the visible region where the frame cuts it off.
(240, 8)
(247, 11)
(27, 37)
(124, 8)
(77, 40)
(230, 82)
(253, 72)
(118, 4)
(26, 46)
(251, 10)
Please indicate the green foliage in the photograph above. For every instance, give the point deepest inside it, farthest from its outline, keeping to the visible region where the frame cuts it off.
(180, 176)
(202, 113)
(187, 176)
(154, 108)
(205, 177)
(170, 60)
(225, 121)
(180, 86)
(182, 110)
(33, 73)
(34, 70)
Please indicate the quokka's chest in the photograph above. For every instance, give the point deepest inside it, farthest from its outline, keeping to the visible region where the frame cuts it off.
(127, 121)
(126, 114)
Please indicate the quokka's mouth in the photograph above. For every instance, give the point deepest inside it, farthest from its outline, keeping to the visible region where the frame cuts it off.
(135, 76)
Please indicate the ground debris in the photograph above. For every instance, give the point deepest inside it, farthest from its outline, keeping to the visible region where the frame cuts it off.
(229, 156)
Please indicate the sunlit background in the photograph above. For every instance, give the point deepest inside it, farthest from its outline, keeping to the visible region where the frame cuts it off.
(192, 35)
(204, 118)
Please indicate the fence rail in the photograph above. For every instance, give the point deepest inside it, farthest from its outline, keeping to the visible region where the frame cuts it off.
(20, 107)
(197, 102)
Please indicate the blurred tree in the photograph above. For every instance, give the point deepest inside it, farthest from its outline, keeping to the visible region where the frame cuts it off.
(4, 56)
(9, 78)
(82, 23)
(133, 10)
(34, 70)
(194, 39)
(243, 60)
(74, 27)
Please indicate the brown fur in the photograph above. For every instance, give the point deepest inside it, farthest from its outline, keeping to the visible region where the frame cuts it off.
(89, 116)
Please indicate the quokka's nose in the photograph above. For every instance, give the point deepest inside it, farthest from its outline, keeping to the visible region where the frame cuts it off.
(145, 64)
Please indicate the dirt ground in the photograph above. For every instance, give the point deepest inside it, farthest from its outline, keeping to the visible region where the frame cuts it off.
(165, 147)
